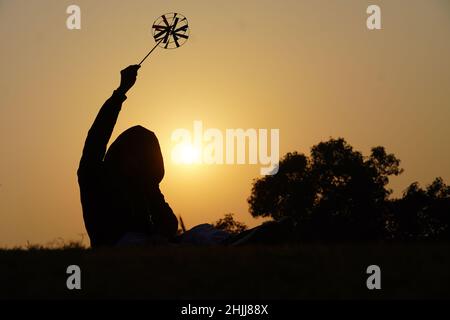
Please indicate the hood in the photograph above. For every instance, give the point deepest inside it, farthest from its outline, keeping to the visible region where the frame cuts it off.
(135, 156)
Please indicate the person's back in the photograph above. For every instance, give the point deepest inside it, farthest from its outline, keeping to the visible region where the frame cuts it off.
(120, 188)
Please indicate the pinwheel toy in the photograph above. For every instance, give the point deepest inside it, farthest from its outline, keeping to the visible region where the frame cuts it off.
(170, 31)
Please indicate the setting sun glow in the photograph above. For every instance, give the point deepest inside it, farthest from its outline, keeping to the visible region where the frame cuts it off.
(185, 154)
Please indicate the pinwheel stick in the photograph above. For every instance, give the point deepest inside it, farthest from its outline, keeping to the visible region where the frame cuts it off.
(151, 51)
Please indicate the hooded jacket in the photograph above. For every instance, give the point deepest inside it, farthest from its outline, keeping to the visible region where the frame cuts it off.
(119, 188)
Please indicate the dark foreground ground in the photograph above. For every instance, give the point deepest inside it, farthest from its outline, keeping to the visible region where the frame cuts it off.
(300, 272)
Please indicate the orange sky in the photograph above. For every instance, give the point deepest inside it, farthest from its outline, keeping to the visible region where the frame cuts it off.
(309, 68)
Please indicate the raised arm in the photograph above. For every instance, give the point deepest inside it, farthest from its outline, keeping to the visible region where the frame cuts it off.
(101, 130)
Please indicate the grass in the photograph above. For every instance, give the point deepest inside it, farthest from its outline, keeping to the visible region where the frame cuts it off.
(284, 272)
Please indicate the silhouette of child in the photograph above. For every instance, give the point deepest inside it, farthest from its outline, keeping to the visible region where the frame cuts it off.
(119, 188)
(120, 195)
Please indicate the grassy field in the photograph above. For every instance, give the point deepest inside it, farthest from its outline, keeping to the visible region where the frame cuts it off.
(287, 272)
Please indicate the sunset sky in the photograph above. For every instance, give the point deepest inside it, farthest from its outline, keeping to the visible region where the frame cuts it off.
(309, 68)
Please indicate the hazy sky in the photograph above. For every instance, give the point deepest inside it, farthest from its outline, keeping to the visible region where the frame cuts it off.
(310, 68)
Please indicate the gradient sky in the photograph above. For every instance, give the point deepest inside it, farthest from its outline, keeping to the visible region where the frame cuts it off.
(310, 68)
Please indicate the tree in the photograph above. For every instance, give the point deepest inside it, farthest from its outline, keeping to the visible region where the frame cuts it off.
(227, 223)
(422, 214)
(334, 194)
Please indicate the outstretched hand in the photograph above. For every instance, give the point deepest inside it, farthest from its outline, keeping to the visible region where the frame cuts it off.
(128, 78)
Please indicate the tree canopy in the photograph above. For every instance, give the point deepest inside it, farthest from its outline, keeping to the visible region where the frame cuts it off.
(337, 193)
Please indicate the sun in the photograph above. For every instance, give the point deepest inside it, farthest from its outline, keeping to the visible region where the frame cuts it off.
(185, 154)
